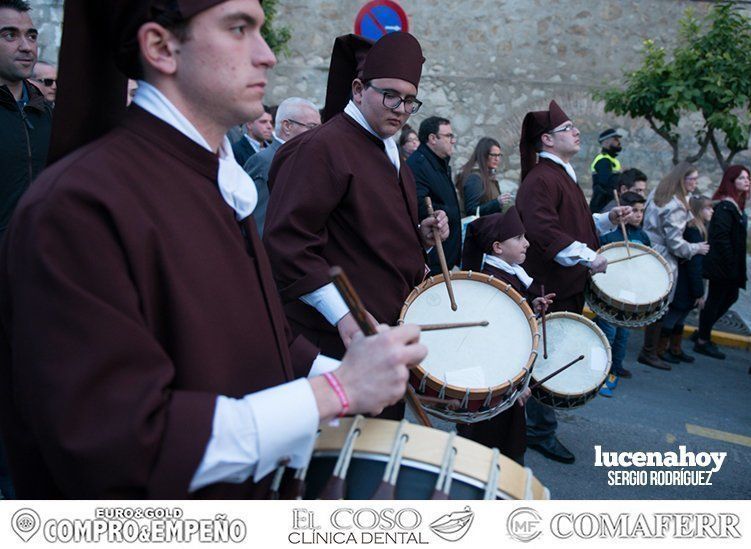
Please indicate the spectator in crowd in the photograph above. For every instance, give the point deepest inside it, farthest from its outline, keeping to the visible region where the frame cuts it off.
(132, 88)
(257, 136)
(477, 184)
(665, 221)
(293, 117)
(617, 335)
(689, 289)
(605, 170)
(25, 116)
(725, 265)
(45, 78)
(632, 180)
(408, 142)
(430, 164)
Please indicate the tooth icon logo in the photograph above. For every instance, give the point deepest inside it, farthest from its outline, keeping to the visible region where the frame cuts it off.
(25, 523)
(453, 526)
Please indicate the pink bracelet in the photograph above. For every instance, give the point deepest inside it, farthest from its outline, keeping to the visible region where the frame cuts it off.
(339, 390)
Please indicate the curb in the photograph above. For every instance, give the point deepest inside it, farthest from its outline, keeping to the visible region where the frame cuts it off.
(720, 338)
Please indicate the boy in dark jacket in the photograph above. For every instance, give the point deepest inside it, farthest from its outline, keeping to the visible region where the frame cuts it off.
(617, 335)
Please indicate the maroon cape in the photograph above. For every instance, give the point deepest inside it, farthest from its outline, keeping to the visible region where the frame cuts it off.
(336, 199)
(555, 214)
(129, 300)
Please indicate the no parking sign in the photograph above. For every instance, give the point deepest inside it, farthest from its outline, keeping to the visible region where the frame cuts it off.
(379, 17)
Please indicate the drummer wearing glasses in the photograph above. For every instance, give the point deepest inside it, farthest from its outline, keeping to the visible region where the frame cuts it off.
(563, 237)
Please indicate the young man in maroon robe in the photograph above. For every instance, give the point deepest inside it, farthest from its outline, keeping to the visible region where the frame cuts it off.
(496, 245)
(563, 236)
(339, 195)
(144, 349)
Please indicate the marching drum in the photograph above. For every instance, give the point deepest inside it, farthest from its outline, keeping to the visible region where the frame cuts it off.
(472, 374)
(568, 336)
(633, 292)
(361, 458)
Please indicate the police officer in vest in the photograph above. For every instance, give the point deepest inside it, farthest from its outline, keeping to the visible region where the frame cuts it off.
(605, 170)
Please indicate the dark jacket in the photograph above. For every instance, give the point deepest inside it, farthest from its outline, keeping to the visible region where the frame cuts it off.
(690, 285)
(433, 179)
(24, 140)
(243, 150)
(474, 193)
(726, 260)
(635, 234)
(604, 180)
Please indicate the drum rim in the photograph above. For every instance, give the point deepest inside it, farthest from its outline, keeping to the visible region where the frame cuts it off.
(455, 391)
(631, 307)
(584, 320)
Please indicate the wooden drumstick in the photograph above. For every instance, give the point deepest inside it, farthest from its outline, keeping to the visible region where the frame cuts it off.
(623, 224)
(451, 326)
(634, 256)
(357, 309)
(441, 255)
(544, 330)
(558, 371)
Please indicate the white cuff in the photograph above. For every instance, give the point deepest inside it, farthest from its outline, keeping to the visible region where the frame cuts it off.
(328, 301)
(603, 223)
(575, 253)
(323, 364)
(252, 435)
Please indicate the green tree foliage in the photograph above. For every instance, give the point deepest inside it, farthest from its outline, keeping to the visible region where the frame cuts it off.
(276, 37)
(708, 72)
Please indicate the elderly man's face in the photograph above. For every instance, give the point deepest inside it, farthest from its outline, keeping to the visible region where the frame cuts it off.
(45, 78)
(305, 119)
(18, 46)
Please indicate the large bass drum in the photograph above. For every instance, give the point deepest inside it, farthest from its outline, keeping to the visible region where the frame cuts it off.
(472, 374)
(632, 292)
(359, 458)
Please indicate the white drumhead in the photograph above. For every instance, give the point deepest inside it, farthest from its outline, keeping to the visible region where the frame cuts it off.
(475, 358)
(637, 281)
(567, 339)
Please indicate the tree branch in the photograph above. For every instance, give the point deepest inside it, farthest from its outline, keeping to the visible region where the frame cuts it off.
(717, 151)
(702, 149)
(666, 136)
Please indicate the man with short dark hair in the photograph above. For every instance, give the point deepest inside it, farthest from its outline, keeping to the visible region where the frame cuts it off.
(45, 78)
(294, 116)
(431, 166)
(605, 170)
(144, 351)
(631, 180)
(25, 119)
(257, 136)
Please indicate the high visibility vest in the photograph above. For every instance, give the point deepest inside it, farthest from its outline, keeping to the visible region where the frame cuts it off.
(616, 165)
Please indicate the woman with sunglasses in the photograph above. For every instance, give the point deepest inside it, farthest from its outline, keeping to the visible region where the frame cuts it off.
(477, 184)
(665, 220)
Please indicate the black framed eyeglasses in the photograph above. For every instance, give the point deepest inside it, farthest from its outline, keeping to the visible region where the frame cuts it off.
(393, 101)
(46, 81)
(567, 128)
(495, 155)
(310, 125)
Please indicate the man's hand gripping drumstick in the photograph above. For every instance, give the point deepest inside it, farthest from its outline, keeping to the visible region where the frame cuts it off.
(404, 338)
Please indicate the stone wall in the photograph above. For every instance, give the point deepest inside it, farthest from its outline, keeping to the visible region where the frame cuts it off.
(490, 61)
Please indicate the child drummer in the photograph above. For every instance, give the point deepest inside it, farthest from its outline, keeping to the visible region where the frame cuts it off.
(495, 244)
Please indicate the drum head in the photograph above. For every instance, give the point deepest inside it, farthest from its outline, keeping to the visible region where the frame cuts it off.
(638, 281)
(478, 357)
(569, 336)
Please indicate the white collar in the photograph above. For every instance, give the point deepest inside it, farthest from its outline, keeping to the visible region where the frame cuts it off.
(507, 267)
(566, 166)
(236, 186)
(392, 151)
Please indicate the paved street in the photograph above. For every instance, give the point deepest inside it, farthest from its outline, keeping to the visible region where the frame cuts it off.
(650, 412)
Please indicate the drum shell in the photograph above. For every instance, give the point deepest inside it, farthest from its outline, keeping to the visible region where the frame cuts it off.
(555, 399)
(474, 399)
(621, 313)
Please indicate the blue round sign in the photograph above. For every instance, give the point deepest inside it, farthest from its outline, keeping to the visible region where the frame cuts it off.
(380, 17)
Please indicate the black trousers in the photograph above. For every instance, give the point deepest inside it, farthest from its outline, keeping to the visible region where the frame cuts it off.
(720, 297)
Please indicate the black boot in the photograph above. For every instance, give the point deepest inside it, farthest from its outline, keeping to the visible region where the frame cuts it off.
(675, 349)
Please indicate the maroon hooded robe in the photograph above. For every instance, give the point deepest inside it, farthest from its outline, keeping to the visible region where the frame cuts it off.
(130, 299)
